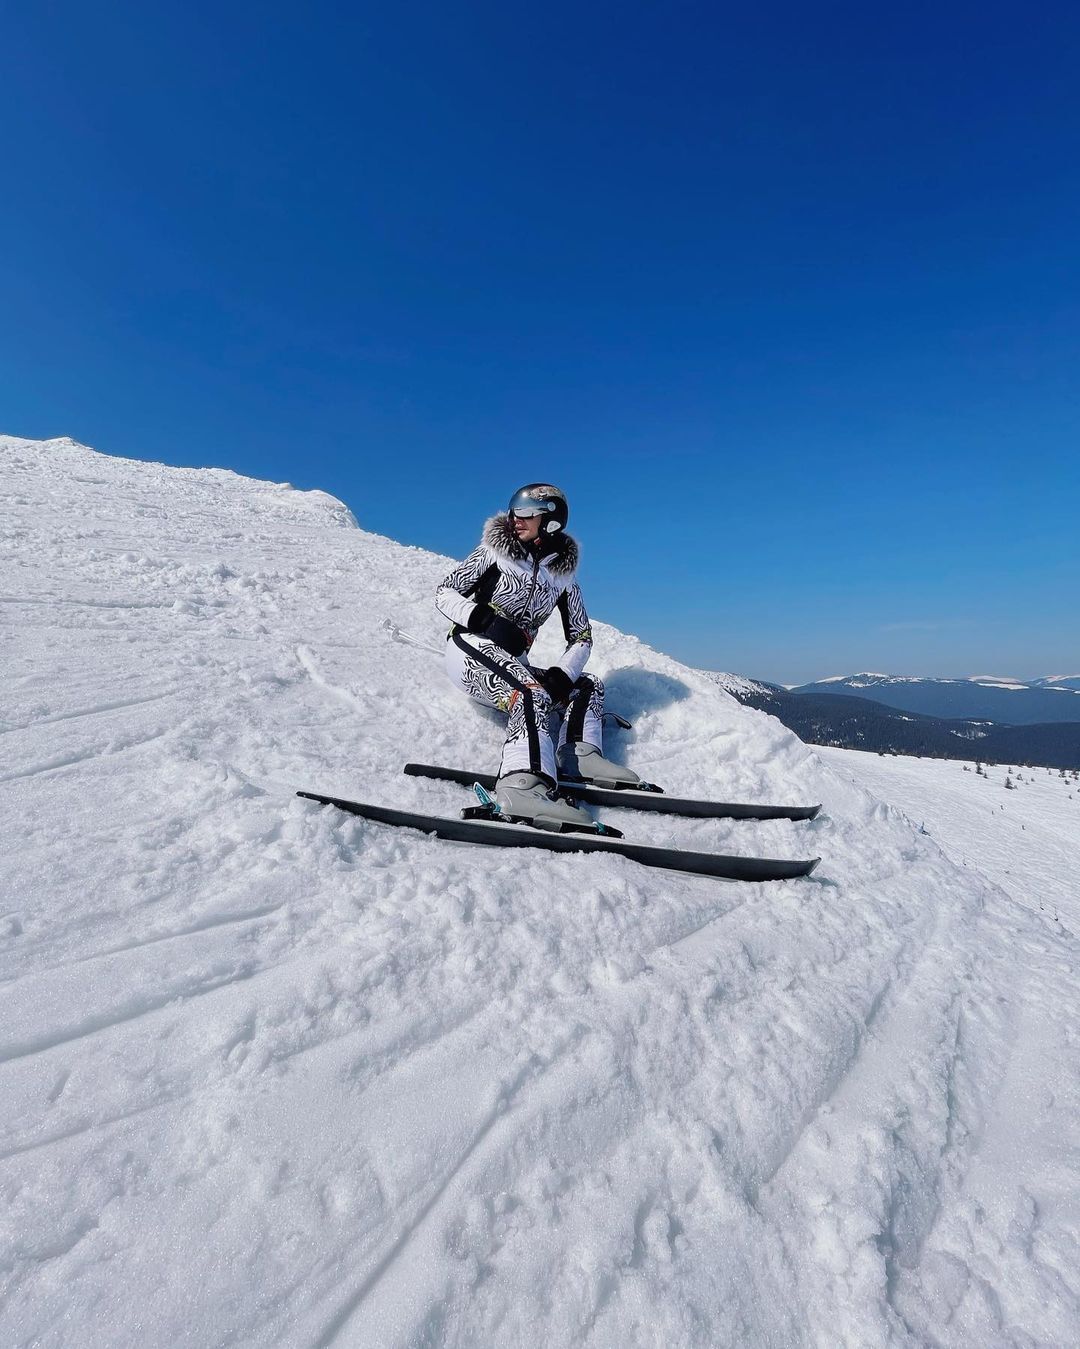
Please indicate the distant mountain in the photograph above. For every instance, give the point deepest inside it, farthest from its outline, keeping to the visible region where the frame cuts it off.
(745, 689)
(981, 698)
(1071, 682)
(862, 723)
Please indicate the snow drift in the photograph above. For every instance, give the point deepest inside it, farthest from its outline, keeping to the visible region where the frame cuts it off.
(272, 1075)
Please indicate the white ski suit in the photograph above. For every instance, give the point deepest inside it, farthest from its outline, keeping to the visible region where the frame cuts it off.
(524, 587)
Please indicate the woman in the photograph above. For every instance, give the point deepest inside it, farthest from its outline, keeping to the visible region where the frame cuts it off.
(497, 599)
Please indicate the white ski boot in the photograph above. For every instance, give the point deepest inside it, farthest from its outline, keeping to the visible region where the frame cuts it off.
(525, 796)
(586, 762)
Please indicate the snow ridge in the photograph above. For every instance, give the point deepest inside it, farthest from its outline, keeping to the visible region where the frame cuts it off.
(277, 1076)
(736, 684)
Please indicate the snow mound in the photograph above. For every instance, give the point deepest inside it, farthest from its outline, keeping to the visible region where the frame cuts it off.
(277, 1076)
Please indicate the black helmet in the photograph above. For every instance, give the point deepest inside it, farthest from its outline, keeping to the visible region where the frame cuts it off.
(540, 498)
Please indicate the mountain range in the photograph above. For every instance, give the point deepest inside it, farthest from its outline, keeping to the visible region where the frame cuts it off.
(831, 712)
(1012, 702)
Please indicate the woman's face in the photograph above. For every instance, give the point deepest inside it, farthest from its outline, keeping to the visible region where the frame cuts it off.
(526, 529)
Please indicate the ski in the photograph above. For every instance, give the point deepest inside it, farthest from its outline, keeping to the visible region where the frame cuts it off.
(500, 835)
(630, 798)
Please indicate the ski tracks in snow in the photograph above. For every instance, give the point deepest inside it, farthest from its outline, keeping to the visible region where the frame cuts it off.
(293, 1078)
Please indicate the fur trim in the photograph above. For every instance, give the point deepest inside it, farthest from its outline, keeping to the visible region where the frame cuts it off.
(561, 557)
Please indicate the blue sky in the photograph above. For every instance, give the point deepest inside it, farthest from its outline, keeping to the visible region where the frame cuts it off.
(788, 300)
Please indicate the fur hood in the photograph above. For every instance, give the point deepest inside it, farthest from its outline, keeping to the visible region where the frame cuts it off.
(561, 557)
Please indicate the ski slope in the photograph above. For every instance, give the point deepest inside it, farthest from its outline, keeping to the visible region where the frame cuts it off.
(1026, 838)
(271, 1075)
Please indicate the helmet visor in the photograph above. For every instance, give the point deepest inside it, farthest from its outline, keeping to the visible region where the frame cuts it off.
(525, 505)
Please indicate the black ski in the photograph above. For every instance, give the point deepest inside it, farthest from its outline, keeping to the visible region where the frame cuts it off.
(524, 836)
(629, 798)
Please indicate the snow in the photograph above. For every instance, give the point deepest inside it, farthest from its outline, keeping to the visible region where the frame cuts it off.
(997, 681)
(736, 684)
(1025, 839)
(277, 1076)
(1062, 683)
(869, 680)
(865, 674)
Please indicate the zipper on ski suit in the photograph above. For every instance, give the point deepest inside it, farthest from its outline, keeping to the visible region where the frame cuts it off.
(524, 625)
(532, 587)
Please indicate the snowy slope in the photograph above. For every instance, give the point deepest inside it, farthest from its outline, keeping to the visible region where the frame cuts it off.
(1026, 838)
(276, 1076)
(739, 685)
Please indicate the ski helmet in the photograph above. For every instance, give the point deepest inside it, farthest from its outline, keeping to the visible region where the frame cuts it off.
(540, 498)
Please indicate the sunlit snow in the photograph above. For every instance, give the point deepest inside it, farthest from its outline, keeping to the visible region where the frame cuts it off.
(273, 1075)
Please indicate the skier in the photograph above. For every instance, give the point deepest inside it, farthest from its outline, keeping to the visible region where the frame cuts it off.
(497, 599)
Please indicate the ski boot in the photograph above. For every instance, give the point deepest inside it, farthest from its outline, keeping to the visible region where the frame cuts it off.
(527, 798)
(585, 763)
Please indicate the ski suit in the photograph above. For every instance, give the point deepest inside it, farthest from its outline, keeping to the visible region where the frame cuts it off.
(525, 587)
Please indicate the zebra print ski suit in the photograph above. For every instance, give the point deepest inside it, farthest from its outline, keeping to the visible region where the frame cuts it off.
(526, 588)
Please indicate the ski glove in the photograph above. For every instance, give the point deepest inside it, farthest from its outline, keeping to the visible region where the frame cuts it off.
(556, 682)
(485, 622)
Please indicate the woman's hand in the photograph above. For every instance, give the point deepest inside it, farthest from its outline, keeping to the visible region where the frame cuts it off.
(557, 683)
